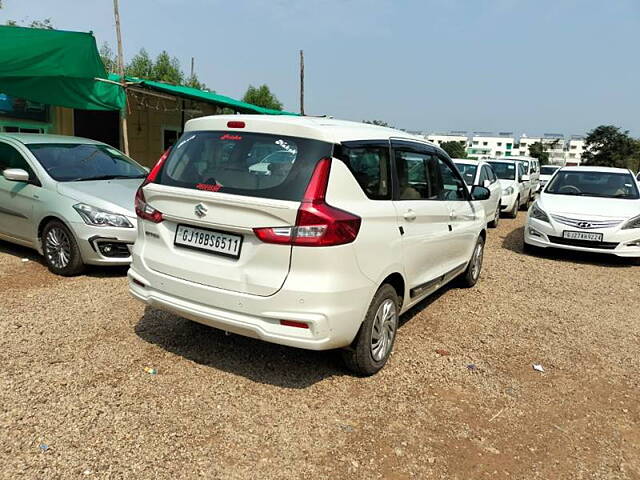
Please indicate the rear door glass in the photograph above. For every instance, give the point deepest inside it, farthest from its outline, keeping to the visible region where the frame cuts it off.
(242, 163)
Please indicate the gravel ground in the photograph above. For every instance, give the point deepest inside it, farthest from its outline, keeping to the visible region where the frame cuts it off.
(76, 401)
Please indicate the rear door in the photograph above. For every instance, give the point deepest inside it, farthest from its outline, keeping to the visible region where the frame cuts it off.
(423, 216)
(213, 190)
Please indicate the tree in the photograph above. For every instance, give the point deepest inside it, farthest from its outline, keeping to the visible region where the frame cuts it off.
(46, 23)
(194, 82)
(167, 69)
(140, 66)
(537, 150)
(262, 97)
(454, 149)
(379, 123)
(108, 58)
(608, 146)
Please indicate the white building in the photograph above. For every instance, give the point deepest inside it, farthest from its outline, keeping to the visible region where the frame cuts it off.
(440, 138)
(482, 145)
(488, 145)
(575, 149)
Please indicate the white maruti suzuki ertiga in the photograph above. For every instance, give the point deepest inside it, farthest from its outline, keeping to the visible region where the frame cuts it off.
(309, 232)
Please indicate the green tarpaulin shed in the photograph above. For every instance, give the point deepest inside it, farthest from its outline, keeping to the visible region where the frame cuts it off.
(57, 68)
(199, 95)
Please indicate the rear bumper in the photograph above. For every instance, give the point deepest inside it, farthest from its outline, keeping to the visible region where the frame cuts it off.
(333, 314)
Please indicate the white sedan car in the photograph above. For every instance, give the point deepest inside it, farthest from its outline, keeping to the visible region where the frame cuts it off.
(589, 209)
(477, 172)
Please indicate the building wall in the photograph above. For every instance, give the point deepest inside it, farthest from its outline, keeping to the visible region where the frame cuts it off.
(439, 139)
(489, 146)
(151, 117)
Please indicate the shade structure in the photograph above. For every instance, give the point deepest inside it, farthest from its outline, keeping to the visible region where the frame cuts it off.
(199, 95)
(56, 67)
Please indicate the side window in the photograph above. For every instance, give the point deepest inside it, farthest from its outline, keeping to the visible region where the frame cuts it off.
(453, 187)
(370, 167)
(11, 158)
(492, 175)
(483, 175)
(419, 177)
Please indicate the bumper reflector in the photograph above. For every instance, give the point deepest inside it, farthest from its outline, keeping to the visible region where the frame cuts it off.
(292, 323)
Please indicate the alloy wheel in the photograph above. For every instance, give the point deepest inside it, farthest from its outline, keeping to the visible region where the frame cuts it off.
(58, 247)
(476, 264)
(383, 330)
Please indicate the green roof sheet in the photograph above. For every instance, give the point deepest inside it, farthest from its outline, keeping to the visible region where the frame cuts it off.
(200, 95)
(55, 67)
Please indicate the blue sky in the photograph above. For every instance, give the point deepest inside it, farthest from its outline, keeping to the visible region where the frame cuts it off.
(531, 66)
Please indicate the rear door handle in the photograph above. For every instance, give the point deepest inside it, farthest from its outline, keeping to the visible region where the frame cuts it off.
(410, 215)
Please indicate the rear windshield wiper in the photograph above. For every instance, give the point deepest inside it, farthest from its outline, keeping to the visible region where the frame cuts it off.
(107, 177)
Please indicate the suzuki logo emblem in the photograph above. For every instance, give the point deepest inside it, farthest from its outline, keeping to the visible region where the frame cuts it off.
(200, 210)
(584, 225)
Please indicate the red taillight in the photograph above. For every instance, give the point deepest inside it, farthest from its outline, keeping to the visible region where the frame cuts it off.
(235, 124)
(317, 224)
(293, 323)
(143, 209)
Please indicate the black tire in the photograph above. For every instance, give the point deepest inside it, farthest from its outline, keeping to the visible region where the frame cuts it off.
(56, 237)
(496, 219)
(525, 205)
(471, 275)
(514, 213)
(359, 357)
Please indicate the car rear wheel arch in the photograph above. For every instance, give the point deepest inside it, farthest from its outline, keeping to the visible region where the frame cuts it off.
(396, 280)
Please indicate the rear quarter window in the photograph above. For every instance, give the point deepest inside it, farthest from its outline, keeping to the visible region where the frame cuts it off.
(369, 165)
(244, 163)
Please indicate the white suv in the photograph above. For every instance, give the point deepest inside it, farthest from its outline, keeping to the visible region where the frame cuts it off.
(321, 249)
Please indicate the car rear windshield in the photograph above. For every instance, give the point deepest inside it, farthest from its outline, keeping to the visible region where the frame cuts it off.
(548, 170)
(503, 170)
(468, 172)
(75, 162)
(594, 184)
(243, 163)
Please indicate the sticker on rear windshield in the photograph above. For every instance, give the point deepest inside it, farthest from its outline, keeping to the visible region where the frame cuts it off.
(510, 167)
(285, 146)
(228, 136)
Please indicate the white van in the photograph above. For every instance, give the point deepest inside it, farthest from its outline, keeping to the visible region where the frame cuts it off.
(323, 248)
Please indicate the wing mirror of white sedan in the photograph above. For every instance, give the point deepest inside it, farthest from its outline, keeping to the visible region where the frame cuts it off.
(480, 193)
(16, 175)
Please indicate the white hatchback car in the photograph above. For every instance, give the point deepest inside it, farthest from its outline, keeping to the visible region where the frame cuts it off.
(479, 172)
(515, 193)
(324, 252)
(590, 209)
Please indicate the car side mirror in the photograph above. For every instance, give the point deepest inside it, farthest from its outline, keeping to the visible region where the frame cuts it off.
(480, 193)
(486, 183)
(524, 178)
(16, 175)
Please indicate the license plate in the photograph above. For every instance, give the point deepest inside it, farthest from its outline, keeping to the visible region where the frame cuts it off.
(213, 241)
(591, 237)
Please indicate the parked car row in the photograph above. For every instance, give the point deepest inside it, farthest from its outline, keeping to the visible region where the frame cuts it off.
(309, 232)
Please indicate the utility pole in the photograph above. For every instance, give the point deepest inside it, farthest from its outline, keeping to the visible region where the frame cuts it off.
(192, 66)
(123, 114)
(301, 82)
